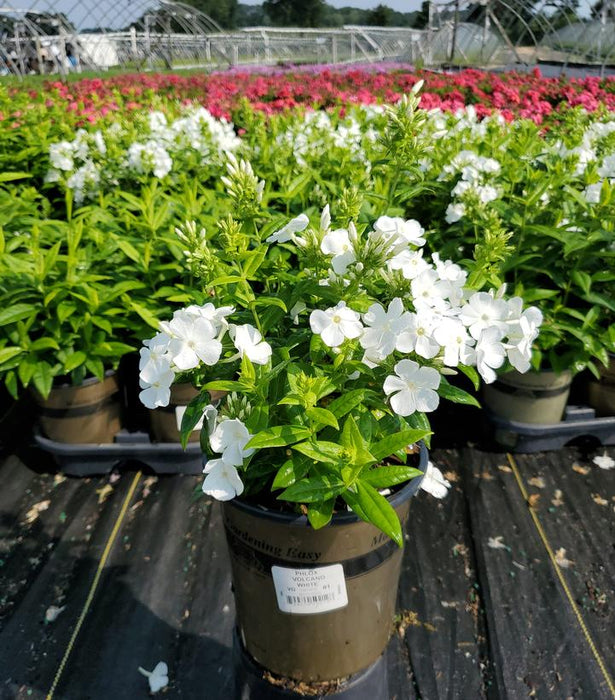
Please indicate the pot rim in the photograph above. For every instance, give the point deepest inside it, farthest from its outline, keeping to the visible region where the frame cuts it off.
(404, 494)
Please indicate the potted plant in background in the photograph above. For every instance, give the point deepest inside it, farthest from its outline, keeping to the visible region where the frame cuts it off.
(64, 328)
(532, 210)
(339, 342)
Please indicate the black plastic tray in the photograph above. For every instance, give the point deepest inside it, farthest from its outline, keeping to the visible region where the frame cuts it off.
(89, 460)
(579, 422)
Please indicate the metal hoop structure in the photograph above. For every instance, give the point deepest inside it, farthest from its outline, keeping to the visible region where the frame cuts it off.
(62, 36)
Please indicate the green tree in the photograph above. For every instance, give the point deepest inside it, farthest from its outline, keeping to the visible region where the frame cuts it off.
(380, 16)
(295, 13)
(421, 20)
(221, 11)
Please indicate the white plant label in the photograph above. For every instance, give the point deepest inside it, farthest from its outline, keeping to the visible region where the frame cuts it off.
(179, 414)
(309, 591)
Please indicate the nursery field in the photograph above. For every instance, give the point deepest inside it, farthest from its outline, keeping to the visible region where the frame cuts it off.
(343, 262)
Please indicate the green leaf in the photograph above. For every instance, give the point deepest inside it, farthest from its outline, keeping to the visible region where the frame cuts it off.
(44, 344)
(253, 260)
(192, 415)
(398, 441)
(320, 514)
(269, 301)
(223, 385)
(9, 353)
(389, 475)
(314, 490)
(8, 177)
(323, 416)
(291, 471)
(370, 506)
(344, 404)
(471, 374)
(43, 378)
(74, 360)
(457, 395)
(16, 312)
(321, 451)
(279, 436)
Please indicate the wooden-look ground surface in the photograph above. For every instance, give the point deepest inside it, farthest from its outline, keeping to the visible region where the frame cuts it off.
(482, 613)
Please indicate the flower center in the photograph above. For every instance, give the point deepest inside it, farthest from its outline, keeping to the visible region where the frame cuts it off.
(337, 318)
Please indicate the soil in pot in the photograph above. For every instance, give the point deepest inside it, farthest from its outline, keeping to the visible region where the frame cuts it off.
(314, 605)
(89, 413)
(534, 397)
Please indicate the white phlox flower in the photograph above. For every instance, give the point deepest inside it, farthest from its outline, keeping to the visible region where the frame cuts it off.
(222, 481)
(522, 332)
(337, 244)
(158, 678)
(383, 328)
(249, 342)
(482, 311)
(335, 325)
(214, 314)
(412, 388)
(417, 336)
(61, 155)
(229, 438)
(287, 233)
(434, 482)
(454, 212)
(453, 277)
(490, 353)
(393, 228)
(453, 337)
(428, 291)
(155, 380)
(193, 340)
(410, 262)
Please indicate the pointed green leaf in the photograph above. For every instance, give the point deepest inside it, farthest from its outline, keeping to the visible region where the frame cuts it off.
(291, 471)
(369, 505)
(314, 490)
(279, 436)
(344, 404)
(74, 360)
(387, 476)
(398, 441)
(323, 416)
(320, 514)
(321, 451)
(16, 312)
(457, 395)
(43, 378)
(9, 353)
(192, 415)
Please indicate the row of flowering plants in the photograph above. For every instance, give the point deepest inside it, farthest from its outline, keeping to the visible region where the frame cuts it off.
(515, 203)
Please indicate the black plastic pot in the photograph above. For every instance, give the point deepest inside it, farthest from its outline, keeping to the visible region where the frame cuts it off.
(314, 605)
(251, 682)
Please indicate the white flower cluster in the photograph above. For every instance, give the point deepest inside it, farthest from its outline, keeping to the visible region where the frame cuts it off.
(443, 320)
(192, 337)
(316, 135)
(482, 331)
(77, 163)
(476, 176)
(88, 162)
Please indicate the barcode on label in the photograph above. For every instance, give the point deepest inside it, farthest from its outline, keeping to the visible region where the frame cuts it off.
(309, 591)
(292, 599)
